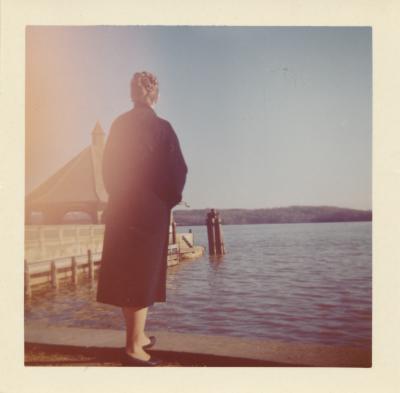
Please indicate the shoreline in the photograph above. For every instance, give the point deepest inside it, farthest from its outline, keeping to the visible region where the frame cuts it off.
(277, 223)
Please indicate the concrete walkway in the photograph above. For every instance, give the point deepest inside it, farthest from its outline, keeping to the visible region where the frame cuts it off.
(189, 349)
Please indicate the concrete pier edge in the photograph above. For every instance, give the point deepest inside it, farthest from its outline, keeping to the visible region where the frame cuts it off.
(212, 350)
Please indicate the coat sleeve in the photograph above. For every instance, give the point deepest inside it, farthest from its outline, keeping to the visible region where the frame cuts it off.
(177, 168)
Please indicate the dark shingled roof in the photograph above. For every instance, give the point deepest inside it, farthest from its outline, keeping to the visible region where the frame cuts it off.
(80, 180)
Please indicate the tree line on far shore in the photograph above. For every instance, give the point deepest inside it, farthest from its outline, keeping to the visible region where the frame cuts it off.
(291, 214)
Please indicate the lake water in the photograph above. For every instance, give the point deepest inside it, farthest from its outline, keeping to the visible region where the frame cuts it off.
(308, 283)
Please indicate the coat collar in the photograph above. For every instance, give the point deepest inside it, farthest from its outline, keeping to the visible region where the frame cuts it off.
(145, 107)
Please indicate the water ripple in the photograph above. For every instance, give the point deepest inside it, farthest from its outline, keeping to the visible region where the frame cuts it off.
(293, 282)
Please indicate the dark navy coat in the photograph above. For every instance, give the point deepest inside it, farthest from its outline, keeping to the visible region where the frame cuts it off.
(144, 173)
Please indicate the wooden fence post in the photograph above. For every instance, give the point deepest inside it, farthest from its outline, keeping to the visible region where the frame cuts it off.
(173, 224)
(74, 269)
(28, 290)
(54, 280)
(91, 265)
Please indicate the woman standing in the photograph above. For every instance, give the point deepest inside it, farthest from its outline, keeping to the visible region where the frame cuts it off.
(144, 174)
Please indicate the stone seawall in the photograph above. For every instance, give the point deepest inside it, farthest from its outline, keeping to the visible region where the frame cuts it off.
(205, 350)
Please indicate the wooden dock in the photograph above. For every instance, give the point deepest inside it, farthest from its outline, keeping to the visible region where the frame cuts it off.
(63, 269)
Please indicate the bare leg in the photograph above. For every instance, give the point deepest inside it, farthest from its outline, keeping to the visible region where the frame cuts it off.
(135, 320)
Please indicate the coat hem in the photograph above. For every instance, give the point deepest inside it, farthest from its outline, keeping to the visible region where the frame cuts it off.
(130, 304)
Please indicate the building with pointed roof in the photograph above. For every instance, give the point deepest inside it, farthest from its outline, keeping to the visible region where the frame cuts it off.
(76, 187)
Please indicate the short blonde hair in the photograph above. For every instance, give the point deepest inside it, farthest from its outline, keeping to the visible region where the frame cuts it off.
(144, 88)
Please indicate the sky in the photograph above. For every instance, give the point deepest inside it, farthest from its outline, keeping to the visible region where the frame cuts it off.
(266, 116)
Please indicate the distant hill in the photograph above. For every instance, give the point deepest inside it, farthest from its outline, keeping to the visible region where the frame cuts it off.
(291, 214)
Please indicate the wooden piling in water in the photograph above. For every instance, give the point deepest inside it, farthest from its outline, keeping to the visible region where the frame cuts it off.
(74, 268)
(214, 231)
(27, 286)
(53, 272)
(211, 232)
(219, 239)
